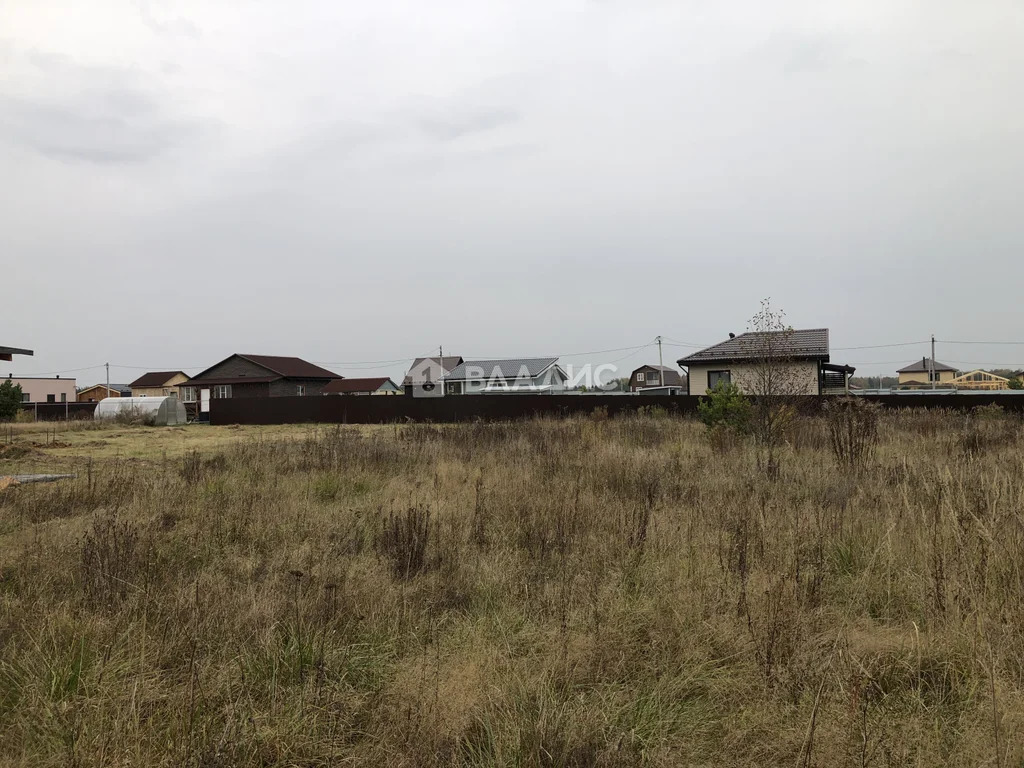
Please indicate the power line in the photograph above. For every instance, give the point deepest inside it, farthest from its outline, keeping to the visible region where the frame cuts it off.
(881, 346)
(1007, 343)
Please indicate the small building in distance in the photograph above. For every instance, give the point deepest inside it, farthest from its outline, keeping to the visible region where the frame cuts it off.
(428, 370)
(158, 384)
(98, 392)
(648, 376)
(918, 375)
(49, 389)
(801, 359)
(373, 386)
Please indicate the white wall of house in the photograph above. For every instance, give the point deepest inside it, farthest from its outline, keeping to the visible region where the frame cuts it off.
(804, 376)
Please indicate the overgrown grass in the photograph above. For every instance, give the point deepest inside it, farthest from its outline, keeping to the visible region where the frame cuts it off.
(547, 593)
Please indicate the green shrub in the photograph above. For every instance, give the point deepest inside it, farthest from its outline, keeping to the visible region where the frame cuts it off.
(725, 407)
(10, 400)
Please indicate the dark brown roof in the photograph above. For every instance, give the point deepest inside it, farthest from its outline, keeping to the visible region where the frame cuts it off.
(806, 344)
(350, 386)
(924, 366)
(670, 376)
(291, 367)
(155, 378)
(284, 367)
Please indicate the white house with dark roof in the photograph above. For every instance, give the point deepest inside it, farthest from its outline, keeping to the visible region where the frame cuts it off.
(803, 353)
(528, 374)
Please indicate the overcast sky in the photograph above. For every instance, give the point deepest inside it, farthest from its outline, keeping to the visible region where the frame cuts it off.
(365, 181)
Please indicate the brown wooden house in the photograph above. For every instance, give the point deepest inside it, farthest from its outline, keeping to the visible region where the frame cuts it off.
(254, 376)
(647, 376)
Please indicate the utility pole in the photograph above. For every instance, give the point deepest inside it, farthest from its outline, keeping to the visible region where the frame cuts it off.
(440, 360)
(108, 378)
(932, 376)
(661, 366)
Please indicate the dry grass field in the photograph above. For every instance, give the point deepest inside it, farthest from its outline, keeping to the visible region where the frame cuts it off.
(548, 593)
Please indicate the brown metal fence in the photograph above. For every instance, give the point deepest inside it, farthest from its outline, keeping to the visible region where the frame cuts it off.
(383, 410)
(59, 411)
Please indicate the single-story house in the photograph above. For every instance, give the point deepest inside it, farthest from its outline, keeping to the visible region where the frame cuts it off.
(158, 384)
(980, 380)
(255, 376)
(7, 353)
(375, 386)
(801, 357)
(647, 376)
(919, 374)
(428, 370)
(49, 389)
(98, 392)
(528, 374)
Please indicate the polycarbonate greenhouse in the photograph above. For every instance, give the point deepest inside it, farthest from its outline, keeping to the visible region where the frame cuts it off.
(161, 411)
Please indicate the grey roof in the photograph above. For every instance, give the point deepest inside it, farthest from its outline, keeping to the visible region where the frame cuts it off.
(925, 365)
(805, 344)
(449, 362)
(506, 369)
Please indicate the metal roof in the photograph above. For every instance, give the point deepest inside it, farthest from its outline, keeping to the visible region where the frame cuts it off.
(348, 386)
(670, 376)
(284, 367)
(428, 365)
(925, 365)
(156, 378)
(802, 344)
(512, 368)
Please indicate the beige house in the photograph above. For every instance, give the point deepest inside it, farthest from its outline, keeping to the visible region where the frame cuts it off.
(918, 375)
(800, 359)
(45, 390)
(158, 384)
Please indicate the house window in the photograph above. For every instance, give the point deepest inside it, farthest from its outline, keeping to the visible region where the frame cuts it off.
(188, 394)
(641, 376)
(51, 398)
(716, 377)
(63, 397)
(26, 397)
(300, 390)
(222, 391)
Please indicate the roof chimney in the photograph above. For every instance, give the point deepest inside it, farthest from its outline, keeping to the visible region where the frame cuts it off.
(732, 335)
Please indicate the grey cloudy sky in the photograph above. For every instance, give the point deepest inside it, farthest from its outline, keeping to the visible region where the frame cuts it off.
(363, 181)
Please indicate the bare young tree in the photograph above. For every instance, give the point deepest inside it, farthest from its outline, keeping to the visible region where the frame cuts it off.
(774, 381)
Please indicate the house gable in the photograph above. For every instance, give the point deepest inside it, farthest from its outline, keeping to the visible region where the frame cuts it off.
(235, 367)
